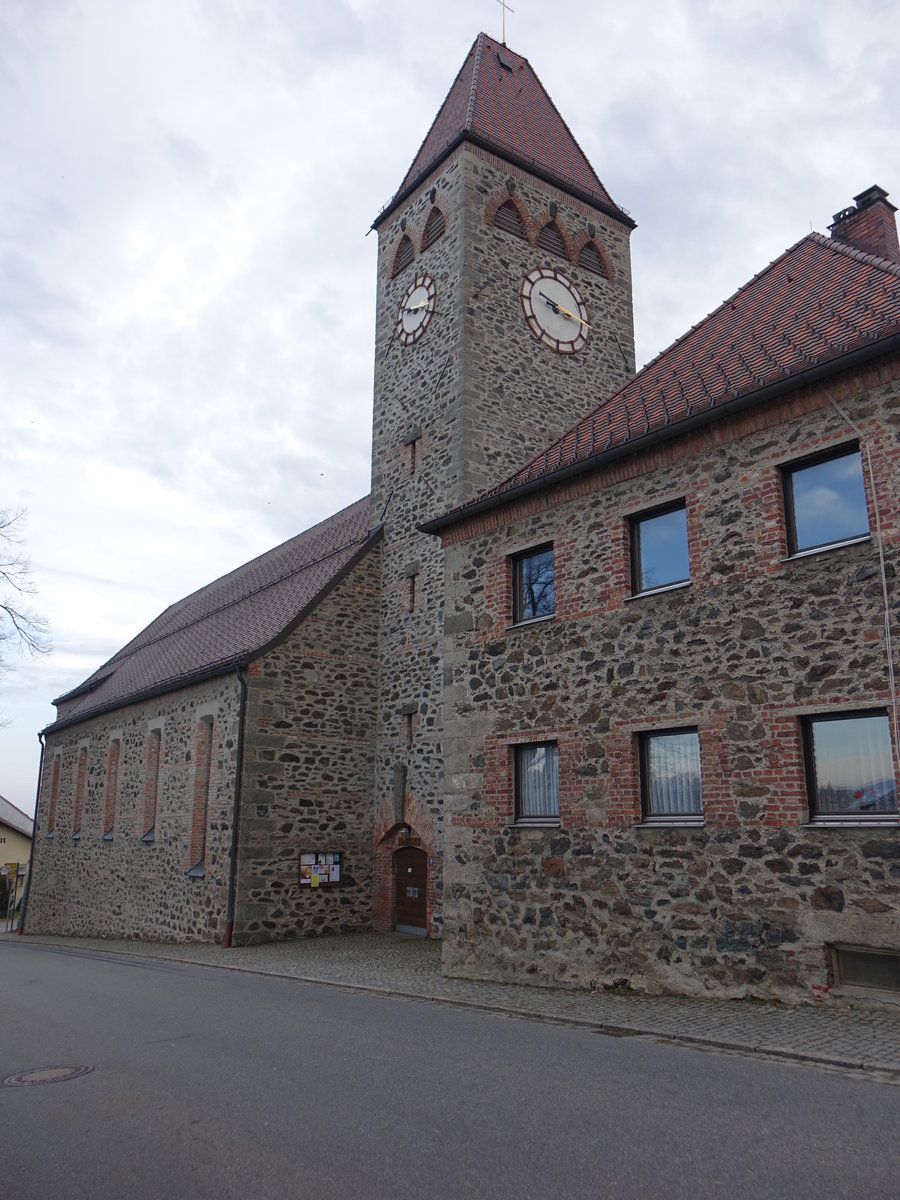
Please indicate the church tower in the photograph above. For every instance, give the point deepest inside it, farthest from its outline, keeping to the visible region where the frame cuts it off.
(504, 314)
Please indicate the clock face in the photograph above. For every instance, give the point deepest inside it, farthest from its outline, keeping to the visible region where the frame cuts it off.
(554, 310)
(416, 309)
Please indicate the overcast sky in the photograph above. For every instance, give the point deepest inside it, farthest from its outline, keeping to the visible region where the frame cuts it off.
(186, 286)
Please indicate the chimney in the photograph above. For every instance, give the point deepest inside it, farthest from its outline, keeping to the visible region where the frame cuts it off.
(871, 226)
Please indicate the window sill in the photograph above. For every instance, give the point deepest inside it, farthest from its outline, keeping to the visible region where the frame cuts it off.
(666, 587)
(530, 621)
(888, 821)
(856, 541)
(671, 823)
(549, 823)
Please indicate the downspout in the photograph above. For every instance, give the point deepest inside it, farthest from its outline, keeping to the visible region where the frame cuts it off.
(37, 803)
(236, 815)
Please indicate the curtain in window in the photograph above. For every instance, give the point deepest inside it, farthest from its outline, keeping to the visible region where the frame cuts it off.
(673, 769)
(538, 781)
(854, 771)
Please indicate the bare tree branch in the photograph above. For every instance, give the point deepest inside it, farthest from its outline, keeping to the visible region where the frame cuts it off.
(19, 623)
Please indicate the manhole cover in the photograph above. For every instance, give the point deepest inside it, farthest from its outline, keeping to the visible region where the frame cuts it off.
(45, 1075)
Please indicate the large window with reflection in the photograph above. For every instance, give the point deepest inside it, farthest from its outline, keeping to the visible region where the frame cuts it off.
(659, 548)
(670, 775)
(849, 766)
(825, 501)
(533, 584)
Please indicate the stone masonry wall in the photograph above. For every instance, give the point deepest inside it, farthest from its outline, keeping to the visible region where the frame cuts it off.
(455, 412)
(308, 768)
(123, 886)
(749, 903)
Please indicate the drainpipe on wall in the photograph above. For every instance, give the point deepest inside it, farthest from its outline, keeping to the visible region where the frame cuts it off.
(236, 815)
(37, 802)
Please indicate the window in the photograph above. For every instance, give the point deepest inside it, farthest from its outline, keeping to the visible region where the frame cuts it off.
(405, 254)
(825, 501)
(200, 808)
(850, 771)
(670, 775)
(536, 783)
(659, 549)
(551, 239)
(865, 967)
(54, 798)
(151, 785)
(434, 228)
(111, 793)
(509, 219)
(589, 259)
(81, 773)
(533, 593)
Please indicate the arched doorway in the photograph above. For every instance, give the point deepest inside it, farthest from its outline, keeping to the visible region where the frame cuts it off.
(411, 884)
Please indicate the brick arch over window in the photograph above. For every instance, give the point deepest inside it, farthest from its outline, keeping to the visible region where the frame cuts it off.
(553, 237)
(507, 213)
(406, 252)
(592, 255)
(435, 227)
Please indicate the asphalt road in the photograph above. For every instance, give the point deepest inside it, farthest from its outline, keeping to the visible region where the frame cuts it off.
(220, 1084)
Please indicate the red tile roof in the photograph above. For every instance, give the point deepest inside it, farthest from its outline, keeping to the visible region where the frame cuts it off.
(229, 621)
(817, 303)
(497, 100)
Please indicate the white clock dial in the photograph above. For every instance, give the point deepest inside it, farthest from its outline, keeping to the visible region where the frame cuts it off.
(416, 309)
(554, 310)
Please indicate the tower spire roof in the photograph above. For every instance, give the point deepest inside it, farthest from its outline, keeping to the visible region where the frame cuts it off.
(497, 101)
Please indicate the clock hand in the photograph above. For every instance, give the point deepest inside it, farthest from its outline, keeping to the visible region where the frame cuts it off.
(558, 308)
(416, 307)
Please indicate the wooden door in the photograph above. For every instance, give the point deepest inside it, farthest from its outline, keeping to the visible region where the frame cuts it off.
(411, 867)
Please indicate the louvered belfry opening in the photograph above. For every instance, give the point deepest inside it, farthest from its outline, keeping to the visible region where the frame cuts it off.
(434, 228)
(509, 219)
(590, 260)
(405, 254)
(550, 239)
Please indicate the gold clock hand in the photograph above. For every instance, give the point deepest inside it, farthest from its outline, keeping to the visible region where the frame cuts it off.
(557, 307)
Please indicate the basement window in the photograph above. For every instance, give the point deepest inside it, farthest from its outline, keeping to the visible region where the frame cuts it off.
(862, 967)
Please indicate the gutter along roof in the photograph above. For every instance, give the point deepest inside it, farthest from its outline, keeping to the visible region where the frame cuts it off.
(498, 102)
(229, 622)
(819, 308)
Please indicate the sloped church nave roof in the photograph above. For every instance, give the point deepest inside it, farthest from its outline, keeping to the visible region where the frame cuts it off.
(229, 621)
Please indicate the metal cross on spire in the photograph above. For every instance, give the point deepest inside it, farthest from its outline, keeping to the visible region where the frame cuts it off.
(506, 8)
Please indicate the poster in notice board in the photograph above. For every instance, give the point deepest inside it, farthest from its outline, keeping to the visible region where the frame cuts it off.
(320, 870)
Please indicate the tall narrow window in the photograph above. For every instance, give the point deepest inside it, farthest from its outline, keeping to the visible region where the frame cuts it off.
(111, 792)
(551, 239)
(151, 785)
(54, 798)
(200, 800)
(850, 770)
(434, 228)
(536, 783)
(533, 585)
(659, 548)
(81, 771)
(825, 501)
(405, 254)
(670, 775)
(589, 259)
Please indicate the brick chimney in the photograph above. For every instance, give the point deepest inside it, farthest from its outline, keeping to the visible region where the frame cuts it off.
(871, 226)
